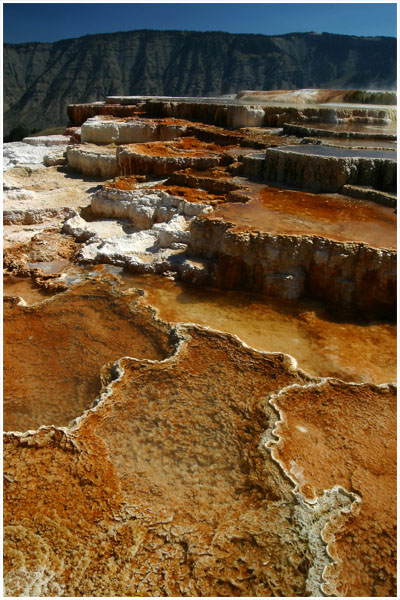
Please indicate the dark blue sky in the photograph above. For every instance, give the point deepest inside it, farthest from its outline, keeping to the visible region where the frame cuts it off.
(48, 22)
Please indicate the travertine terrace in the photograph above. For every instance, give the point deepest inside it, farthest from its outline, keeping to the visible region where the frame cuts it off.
(200, 348)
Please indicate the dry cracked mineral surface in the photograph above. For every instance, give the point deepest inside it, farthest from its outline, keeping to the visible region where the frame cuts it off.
(200, 349)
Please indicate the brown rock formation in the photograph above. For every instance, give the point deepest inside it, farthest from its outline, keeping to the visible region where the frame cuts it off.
(329, 173)
(64, 343)
(164, 488)
(206, 186)
(168, 491)
(144, 457)
(66, 529)
(236, 116)
(333, 434)
(289, 266)
(47, 247)
(79, 113)
(164, 158)
(217, 180)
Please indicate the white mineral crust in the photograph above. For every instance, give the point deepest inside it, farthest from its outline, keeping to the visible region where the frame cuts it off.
(17, 154)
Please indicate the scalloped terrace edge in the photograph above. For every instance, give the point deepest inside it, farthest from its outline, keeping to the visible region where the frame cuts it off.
(334, 502)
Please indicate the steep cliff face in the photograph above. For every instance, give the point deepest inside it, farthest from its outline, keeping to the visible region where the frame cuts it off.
(40, 80)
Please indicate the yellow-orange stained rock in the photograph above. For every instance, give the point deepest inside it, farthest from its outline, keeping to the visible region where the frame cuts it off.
(54, 352)
(163, 489)
(334, 434)
(290, 212)
(323, 345)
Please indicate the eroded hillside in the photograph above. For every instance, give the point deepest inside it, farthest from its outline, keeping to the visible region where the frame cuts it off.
(41, 79)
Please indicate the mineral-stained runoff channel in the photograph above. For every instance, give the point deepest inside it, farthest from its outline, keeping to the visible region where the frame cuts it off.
(165, 439)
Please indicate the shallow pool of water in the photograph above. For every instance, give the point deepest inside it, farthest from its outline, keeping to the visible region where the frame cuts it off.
(290, 212)
(322, 344)
(353, 127)
(54, 352)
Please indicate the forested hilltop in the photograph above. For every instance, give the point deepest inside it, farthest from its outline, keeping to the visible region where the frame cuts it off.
(41, 79)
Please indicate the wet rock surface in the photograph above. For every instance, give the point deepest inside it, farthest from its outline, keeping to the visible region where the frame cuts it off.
(280, 211)
(323, 344)
(65, 343)
(145, 440)
(304, 131)
(341, 152)
(212, 554)
(195, 464)
(331, 417)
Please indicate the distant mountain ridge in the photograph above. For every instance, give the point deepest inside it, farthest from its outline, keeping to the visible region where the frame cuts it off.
(41, 79)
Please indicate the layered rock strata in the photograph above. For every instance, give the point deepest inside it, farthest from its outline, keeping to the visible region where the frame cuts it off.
(306, 131)
(277, 116)
(366, 193)
(371, 96)
(210, 251)
(93, 160)
(329, 173)
(99, 130)
(151, 158)
(195, 465)
(288, 266)
(213, 192)
(317, 262)
(107, 129)
(163, 159)
(246, 137)
(141, 128)
(79, 113)
(237, 116)
(319, 96)
(216, 181)
(222, 115)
